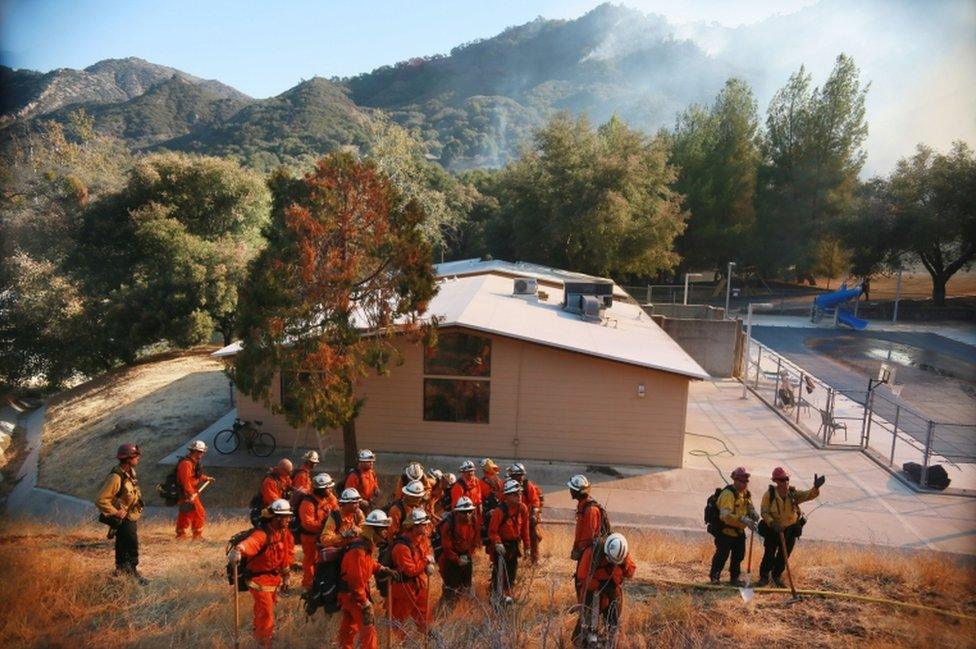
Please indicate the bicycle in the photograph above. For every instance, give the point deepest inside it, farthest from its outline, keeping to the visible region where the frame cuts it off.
(256, 442)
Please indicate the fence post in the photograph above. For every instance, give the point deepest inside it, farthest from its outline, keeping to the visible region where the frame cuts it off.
(779, 363)
(758, 364)
(648, 300)
(866, 438)
(864, 415)
(829, 408)
(799, 396)
(923, 479)
(894, 434)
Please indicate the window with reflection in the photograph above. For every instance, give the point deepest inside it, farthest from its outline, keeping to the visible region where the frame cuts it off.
(459, 354)
(457, 386)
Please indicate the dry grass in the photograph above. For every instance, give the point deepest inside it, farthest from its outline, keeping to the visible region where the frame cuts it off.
(57, 591)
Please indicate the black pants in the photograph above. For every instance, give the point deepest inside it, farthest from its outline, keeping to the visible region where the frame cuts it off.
(127, 546)
(457, 579)
(509, 565)
(724, 545)
(773, 560)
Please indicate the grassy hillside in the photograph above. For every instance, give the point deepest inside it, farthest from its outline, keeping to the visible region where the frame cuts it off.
(58, 592)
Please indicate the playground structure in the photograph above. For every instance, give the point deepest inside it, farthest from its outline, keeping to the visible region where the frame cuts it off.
(831, 304)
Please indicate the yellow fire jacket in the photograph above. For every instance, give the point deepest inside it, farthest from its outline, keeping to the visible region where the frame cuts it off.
(732, 506)
(784, 511)
(122, 494)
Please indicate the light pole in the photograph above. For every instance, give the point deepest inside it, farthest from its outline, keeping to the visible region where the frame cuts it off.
(687, 277)
(728, 288)
(745, 348)
(894, 313)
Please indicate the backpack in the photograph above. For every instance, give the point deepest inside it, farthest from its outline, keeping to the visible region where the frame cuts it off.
(243, 574)
(487, 521)
(713, 520)
(386, 559)
(605, 527)
(340, 484)
(327, 582)
(295, 524)
(169, 489)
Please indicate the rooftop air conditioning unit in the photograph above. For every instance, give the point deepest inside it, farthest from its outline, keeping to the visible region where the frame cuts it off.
(526, 286)
(591, 306)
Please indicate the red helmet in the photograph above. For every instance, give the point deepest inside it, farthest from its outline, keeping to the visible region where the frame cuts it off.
(740, 474)
(779, 473)
(126, 451)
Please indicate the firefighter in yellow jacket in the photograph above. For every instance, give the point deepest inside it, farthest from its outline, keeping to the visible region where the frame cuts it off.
(737, 514)
(120, 504)
(781, 514)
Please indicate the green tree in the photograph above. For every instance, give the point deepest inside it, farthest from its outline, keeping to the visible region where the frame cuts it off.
(812, 157)
(596, 201)
(716, 154)
(167, 253)
(346, 269)
(933, 198)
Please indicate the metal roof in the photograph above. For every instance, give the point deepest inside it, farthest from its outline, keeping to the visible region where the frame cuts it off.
(466, 267)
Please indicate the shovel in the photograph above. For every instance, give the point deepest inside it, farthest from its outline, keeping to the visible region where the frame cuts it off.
(746, 591)
(786, 560)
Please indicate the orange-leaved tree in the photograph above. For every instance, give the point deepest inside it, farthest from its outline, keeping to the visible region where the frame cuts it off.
(346, 269)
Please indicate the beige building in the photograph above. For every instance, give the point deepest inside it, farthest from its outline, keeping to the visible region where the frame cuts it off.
(520, 375)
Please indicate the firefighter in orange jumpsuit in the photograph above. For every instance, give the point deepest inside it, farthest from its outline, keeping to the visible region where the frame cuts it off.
(301, 479)
(467, 485)
(358, 565)
(268, 558)
(492, 484)
(591, 520)
(313, 509)
(602, 578)
(363, 480)
(533, 499)
(411, 497)
(190, 477)
(342, 528)
(507, 528)
(277, 486)
(410, 593)
(460, 539)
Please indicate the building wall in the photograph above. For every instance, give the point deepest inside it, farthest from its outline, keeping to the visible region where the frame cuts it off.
(714, 344)
(545, 403)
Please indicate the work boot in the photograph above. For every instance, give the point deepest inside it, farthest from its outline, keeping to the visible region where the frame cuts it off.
(139, 578)
(737, 583)
(763, 581)
(778, 581)
(714, 579)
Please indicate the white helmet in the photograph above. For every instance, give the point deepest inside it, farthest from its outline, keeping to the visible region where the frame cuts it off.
(322, 481)
(435, 474)
(516, 469)
(414, 471)
(579, 482)
(280, 507)
(418, 516)
(464, 504)
(414, 489)
(350, 495)
(366, 455)
(451, 478)
(311, 456)
(467, 465)
(377, 518)
(512, 486)
(615, 548)
(197, 445)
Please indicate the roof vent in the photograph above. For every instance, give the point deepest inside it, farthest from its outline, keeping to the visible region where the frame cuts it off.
(526, 286)
(602, 290)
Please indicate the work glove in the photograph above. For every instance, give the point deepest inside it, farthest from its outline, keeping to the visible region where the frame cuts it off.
(748, 522)
(464, 560)
(368, 618)
(777, 527)
(429, 569)
(818, 480)
(234, 556)
(499, 549)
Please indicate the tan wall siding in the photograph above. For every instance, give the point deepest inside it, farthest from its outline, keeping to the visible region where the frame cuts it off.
(560, 405)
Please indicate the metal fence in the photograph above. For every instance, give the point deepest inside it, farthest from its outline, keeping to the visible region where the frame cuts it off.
(878, 424)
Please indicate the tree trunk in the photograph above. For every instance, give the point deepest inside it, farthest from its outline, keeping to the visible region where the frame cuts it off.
(350, 449)
(939, 289)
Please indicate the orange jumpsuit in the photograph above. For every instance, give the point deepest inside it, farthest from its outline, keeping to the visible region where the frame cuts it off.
(508, 528)
(266, 569)
(332, 537)
(312, 511)
(492, 484)
(273, 488)
(588, 519)
(409, 597)
(472, 491)
(358, 565)
(605, 578)
(189, 476)
(457, 538)
(365, 483)
(532, 498)
(301, 480)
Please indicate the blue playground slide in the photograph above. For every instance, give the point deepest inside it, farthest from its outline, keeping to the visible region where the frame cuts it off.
(835, 300)
(844, 316)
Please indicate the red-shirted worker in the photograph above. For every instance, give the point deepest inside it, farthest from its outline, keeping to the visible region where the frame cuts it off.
(467, 485)
(533, 499)
(313, 509)
(190, 477)
(358, 565)
(363, 479)
(460, 538)
(277, 484)
(268, 558)
(508, 536)
(409, 594)
(411, 497)
(591, 519)
(600, 575)
(342, 529)
(301, 479)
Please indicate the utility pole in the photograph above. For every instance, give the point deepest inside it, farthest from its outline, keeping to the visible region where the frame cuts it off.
(728, 288)
(894, 315)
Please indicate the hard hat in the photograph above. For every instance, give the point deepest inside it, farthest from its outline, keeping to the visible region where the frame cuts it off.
(311, 456)
(579, 482)
(366, 455)
(488, 464)
(322, 481)
(126, 451)
(451, 478)
(280, 507)
(418, 516)
(197, 445)
(414, 489)
(350, 495)
(516, 469)
(378, 518)
(467, 465)
(740, 474)
(779, 473)
(615, 548)
(414, 471)
(435, 474)
(512, 486)
(464, 504)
